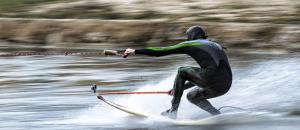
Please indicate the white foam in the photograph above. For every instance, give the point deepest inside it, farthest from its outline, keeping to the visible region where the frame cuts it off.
(271, 82)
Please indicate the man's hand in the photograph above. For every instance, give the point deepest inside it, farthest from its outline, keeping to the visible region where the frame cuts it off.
(128, 52)
(171, 92)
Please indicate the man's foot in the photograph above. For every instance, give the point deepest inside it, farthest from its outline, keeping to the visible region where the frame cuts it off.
(214, 111)
(170, 114)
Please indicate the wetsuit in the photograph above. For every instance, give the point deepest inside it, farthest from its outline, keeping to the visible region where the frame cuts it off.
(213, 78)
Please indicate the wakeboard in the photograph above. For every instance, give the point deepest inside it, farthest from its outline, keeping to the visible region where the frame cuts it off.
(122, 108)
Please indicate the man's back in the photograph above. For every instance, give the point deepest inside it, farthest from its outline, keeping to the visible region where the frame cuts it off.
(209, 55)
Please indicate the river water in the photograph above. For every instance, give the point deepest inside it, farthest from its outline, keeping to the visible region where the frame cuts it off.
(53, 92)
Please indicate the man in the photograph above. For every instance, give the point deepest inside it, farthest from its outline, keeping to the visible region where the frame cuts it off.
(212, 79)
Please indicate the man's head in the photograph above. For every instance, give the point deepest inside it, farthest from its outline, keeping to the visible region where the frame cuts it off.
(195, 32)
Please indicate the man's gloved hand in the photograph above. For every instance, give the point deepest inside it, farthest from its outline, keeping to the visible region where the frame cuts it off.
(171, 92)
(128, 52)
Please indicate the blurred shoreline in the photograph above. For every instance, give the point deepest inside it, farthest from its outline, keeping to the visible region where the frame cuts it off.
(269, 25)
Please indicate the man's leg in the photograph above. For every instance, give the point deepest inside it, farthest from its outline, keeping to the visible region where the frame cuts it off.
(199, 96)
(190, 74)
(178, 91)
(184, 73)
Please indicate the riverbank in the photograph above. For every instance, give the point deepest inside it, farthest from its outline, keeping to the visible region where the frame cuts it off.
(269, 24)
(146, 32)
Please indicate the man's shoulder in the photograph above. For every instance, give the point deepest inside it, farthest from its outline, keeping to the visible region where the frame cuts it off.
(204, 43)
(198, 42)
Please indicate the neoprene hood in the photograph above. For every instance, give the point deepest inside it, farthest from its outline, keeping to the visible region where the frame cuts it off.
(195, 32)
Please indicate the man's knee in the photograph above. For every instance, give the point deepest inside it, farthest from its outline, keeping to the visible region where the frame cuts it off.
(190, 97)
(194, 96)
(183, 71)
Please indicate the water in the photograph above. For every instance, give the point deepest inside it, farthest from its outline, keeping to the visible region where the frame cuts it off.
(53, 92)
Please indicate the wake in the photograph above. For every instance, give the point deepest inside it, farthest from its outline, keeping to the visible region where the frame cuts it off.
(257, 91)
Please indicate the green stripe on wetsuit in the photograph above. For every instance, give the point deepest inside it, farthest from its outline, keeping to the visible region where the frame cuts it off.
(174, 46)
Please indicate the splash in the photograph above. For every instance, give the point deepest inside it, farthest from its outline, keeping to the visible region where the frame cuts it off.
(264, 85)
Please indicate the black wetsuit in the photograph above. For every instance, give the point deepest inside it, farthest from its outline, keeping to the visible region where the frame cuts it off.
(214, 76)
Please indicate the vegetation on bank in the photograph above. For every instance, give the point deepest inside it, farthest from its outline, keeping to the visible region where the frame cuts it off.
(7, 6)
(234, 24)
(226, 12)
(23, 8)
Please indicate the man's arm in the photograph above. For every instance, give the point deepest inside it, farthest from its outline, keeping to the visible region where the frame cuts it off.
(161, 51)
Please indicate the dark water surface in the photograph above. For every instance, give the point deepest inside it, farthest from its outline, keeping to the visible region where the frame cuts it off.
(53, 92)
